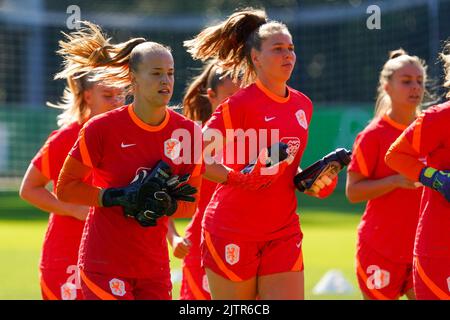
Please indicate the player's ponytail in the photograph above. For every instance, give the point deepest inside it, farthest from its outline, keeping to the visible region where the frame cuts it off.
(231, 41)
(397, 59)
(77, 50)
(196, 105)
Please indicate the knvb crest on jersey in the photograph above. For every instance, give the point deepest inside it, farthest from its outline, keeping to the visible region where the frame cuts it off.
(117, 287)
(232, 253)
(68, 291)
(379, 279)
(301, 118)
(293, 145)
(172, 148)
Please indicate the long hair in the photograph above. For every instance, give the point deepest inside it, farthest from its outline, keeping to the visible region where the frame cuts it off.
(78, 49)
(445, 57)
(230, 42)
(196, 105)
(397, 59)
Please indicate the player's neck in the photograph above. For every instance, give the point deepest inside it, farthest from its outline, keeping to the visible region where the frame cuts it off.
(402, 117)
(277, 88)
(151, 115)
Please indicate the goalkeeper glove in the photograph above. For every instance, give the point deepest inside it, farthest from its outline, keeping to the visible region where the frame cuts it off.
(332, 163)
(436, 180)
(258, 176)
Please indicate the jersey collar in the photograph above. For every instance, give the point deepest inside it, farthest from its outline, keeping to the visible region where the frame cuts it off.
(270, 94)
(141, 124)
(393, 123)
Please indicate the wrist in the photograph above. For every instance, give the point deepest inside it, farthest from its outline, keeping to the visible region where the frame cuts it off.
(426, 176)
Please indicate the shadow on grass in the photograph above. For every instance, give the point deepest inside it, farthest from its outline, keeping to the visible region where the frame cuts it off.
(12, 207)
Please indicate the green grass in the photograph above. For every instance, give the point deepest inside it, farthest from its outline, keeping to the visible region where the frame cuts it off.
(329, 243)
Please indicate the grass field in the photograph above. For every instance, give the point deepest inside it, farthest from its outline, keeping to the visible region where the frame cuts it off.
(329, 228)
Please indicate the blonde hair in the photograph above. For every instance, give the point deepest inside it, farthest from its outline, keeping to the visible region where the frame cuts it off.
(76, 46)
(445, 57)
(397, 59)
(230, 42)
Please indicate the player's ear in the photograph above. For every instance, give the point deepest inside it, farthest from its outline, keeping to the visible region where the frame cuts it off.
(87, 96)
(254, 55)
(387, 87)
(211, 95)
(132, 79)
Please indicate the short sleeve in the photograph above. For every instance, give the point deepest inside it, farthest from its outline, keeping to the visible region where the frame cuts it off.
(88, 147)
(365, 153)
(227, 116)
(425, 134)
(42, 160)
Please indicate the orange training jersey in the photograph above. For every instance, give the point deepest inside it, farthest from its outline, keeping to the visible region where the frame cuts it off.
(430, 138)
(389, 222)
(271, 212)
(63, 235)
(115, 145)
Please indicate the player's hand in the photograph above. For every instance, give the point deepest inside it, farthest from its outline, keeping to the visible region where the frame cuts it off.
(436, 180)
(403, 182)
(127, 196)
(79, 212)
(156, 204)
(260, 176)
(179, 189)
(320, 184)
(180, 247)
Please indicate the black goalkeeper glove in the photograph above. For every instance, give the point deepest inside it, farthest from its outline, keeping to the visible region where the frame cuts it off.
(179, 189)
(126, 197)
(332, 163)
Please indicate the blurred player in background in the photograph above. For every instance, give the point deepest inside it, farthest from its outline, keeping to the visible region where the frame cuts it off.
(428, 138)
(122, 257)
(202, 97)
(252, 240)
(83, 99)
(387, 229)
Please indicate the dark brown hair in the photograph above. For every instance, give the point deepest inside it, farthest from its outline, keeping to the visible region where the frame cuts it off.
(231, 41)
(196, 105)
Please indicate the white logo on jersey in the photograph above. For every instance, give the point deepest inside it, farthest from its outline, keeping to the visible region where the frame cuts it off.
(68, 291)
(232, 253)
(117, 287)
(123, 145)
(379, 279)
(172, 148)
(298, 244)
(301, 118)
(267, 119)
(293, 145)
(205, 284)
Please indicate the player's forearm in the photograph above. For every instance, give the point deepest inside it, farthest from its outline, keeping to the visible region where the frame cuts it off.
(216, 172)
(402, 158)
(72, 188)
(368, 189)
(171, 231)
(187, 209)
(46, 201)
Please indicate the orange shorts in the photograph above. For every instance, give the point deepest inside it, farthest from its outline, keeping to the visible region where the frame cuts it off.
(380, 278)
(242, 260)
(432, 278)
(96, 286)
(60, 284)
(194, 285)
